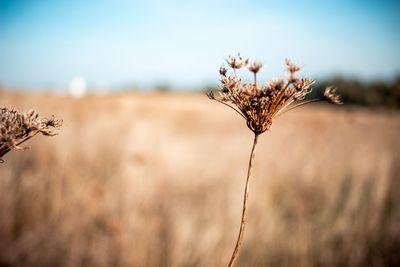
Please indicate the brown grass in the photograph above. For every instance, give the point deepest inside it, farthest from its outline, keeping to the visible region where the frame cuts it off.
(146, 180)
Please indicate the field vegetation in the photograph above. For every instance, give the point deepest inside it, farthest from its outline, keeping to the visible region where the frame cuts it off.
(156, 179)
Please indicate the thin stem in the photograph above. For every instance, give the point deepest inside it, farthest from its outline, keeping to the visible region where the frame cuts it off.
(255, 79)
(238, 112)
(244, 210)
(298, 105)
(5, 150)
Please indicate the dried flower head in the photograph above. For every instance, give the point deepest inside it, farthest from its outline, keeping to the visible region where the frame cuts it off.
(258, 104)
(16, 128)
(331, 96)
(237, 62)
(291, 67)
(255, 67)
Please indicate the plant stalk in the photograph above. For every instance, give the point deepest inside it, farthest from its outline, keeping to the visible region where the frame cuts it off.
(244, 210)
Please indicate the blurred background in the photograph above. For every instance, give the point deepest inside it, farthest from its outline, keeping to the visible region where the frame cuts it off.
(146, 171)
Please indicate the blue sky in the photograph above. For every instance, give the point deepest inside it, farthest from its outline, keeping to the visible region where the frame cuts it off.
(116, 43)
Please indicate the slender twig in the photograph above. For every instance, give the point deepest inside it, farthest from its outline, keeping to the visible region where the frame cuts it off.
(244, 210)
(238, 112)
(17, 145)
(283, 111)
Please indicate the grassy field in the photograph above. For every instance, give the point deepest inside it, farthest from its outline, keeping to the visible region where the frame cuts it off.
(156, 179)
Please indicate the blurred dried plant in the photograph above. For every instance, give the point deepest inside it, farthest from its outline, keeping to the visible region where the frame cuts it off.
(16, 128)
(260, 104)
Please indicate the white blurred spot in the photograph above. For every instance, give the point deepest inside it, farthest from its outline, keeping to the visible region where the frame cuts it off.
(77, 87)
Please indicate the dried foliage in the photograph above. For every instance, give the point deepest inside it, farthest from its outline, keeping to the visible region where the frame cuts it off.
(16, 128)
(259, 105)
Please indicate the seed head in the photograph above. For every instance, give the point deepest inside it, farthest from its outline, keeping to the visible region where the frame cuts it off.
(258, 104)
(16, 128)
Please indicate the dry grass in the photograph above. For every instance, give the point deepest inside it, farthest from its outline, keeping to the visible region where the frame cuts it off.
(146, 180)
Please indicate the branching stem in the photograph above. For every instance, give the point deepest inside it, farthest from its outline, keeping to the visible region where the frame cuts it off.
(5, 150)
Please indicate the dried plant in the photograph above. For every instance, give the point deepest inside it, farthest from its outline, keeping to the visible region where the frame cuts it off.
(259, 105)
(16, 128)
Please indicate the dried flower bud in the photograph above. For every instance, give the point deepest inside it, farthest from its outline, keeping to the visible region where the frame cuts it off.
(255, 67)
(237, 62)
(331, 96)
(223, 71)
(210, 95)
(303, 83)
(291, 67)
